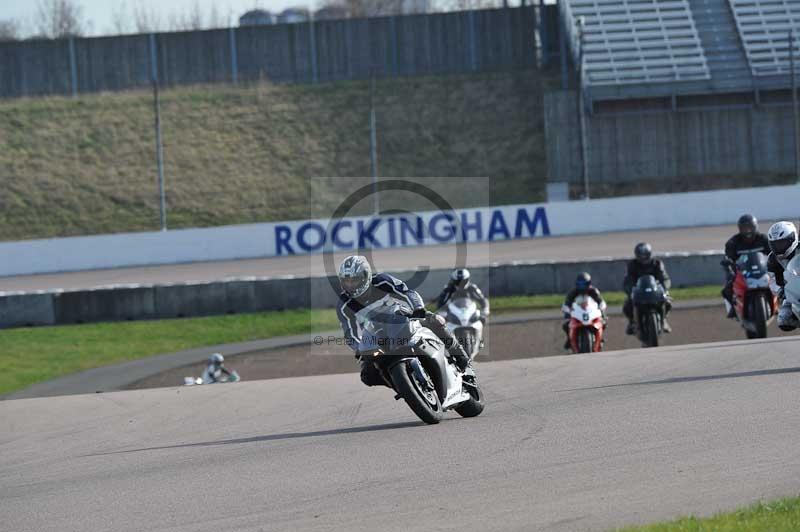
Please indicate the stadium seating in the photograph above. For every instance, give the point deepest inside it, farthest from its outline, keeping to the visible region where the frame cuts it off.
(764, 28)
(636, 41)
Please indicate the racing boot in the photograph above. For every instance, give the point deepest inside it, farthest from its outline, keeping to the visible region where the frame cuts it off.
(567, 345)
(630, 330)
(731, 310)
(666, 326)
(459, 356)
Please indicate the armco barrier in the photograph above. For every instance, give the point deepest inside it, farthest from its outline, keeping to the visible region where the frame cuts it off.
(121, 303)
(24, 310)
(261, 294)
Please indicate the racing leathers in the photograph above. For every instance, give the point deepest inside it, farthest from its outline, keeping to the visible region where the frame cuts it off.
(786, 318)
(452, 291)
(636, 269)
(213, 373)
(384, 290)
(736, 246)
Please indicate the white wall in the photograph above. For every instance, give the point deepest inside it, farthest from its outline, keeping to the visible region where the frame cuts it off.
(259, 240)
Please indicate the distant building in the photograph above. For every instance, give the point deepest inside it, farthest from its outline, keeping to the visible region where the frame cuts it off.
(332, 13)
(257, 17)
(293, 15)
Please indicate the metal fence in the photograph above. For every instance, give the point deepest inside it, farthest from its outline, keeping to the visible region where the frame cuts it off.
(330, 50)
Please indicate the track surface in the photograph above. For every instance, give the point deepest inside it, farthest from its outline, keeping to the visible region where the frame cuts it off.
(540, 249)
(566, 443)
(542, 337)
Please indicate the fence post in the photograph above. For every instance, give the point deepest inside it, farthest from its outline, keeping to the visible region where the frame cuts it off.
(473, 60)
(393, 43)
(234, 55)
(153, 58)
(73, 67)
(312, 38)
(794, 109)
(582, 108)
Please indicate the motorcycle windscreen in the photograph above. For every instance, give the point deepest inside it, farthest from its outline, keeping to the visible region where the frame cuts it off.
(752, 264)
(387, 332)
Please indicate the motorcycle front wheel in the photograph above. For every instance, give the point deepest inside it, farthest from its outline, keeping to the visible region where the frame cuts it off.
(585, 340)
(650, 329)
(474, 406)
(419, 396)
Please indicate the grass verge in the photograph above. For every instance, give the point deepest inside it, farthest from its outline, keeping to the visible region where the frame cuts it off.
(777, 516)
(37, 354)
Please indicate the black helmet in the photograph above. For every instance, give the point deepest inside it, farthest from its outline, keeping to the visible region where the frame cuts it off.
(748, 225)
(643, 252)
(583, 281)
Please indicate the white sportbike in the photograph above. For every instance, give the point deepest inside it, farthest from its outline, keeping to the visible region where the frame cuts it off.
(791, 289)
(464, 320)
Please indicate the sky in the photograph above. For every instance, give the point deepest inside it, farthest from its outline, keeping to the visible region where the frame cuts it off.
(100, 13)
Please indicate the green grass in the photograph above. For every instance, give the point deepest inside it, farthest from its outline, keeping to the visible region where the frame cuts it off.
(521, 303)
(253, 153)
(777, 516)
(32, 355)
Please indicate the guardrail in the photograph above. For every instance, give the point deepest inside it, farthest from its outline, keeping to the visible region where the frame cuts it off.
(143, 302)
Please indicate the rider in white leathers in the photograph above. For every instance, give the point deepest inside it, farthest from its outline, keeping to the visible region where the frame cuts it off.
(783, 242)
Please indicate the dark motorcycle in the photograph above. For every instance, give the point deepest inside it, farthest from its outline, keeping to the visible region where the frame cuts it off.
(414, 362)
(649, 306)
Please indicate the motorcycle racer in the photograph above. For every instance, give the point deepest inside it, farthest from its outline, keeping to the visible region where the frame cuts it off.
(215, 369)
(783, 242)
(747, 240)
(644, 264)
(363, 292)
(460, 286)
(583, 286)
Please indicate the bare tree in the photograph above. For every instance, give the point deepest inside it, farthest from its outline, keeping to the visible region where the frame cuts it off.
(60, 18)
(9, 30)
(120, 18)
(216, 19)
(145, 20)
(461, 5)
(366, 8)
(186, 21)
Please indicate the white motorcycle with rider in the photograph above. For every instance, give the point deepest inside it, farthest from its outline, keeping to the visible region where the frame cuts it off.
(465, 309)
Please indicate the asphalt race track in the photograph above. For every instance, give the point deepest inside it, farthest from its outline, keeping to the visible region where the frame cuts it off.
(539, 249)
(587, 442)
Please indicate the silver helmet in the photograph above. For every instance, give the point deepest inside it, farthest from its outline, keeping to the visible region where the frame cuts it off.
(460, 277)
(782, 238)
(355, 275)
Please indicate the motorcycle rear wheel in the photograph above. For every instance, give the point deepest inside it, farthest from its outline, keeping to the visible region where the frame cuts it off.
(424, 403)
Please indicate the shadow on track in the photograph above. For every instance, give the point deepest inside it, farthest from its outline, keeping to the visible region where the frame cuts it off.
(673, 380)
(273, 437)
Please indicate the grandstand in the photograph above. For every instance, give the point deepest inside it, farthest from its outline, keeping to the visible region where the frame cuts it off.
(645, 49)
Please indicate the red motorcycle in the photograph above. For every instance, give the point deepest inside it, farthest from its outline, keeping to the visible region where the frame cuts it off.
(754, 302)
(586, 326)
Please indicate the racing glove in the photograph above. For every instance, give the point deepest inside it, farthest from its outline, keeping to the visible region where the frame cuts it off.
(419, 313)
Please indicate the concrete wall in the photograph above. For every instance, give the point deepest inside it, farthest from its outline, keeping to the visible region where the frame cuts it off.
(258, 295)
(658, 211)
(329, 50)
(632, 146)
